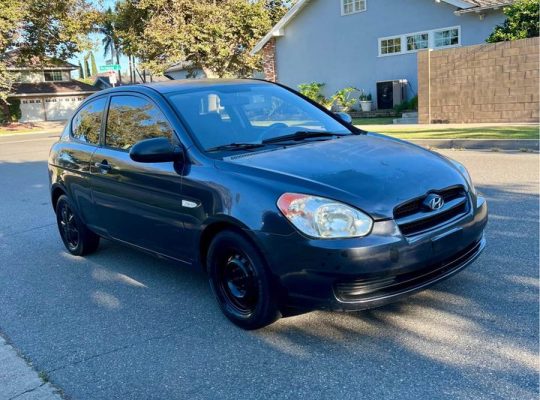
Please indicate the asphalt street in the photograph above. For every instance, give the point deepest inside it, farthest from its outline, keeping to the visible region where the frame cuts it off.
(122, 325)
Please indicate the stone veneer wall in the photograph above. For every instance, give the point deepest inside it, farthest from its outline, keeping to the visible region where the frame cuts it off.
(496, 82)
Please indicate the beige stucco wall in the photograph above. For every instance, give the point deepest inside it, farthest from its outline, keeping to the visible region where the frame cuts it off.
(36, 76)
(29, 76)
(485, 83)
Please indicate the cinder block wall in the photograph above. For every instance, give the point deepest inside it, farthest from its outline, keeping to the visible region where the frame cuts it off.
(496, 82)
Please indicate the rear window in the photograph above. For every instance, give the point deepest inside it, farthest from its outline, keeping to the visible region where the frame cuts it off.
(86, 124)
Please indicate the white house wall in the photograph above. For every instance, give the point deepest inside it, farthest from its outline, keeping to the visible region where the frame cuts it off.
(37, 76)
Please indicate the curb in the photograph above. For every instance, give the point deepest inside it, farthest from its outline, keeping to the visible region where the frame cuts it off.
(19, 380)
(52, 132)
(480, 144)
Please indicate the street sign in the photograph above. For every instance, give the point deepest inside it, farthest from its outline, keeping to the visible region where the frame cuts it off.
(112, 67)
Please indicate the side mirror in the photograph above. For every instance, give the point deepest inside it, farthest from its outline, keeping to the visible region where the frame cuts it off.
(155, 150)
(344, 117)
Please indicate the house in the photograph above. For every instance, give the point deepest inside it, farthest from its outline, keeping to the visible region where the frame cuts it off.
(46, 92)
(371, 44)
(184, 70)
(102, 82)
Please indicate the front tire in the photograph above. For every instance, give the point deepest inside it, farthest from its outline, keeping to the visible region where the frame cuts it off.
(240, 281)
(77, 238)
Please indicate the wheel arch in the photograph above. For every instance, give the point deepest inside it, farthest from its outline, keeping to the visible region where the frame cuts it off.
(57, 190)
(214, 227)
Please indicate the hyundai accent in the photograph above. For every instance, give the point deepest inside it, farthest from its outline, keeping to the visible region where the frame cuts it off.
(284, 204)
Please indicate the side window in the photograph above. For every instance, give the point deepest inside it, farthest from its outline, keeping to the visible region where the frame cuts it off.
(132, 119)
(87, 122)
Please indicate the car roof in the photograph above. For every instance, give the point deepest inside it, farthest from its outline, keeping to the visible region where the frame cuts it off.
(181, 85)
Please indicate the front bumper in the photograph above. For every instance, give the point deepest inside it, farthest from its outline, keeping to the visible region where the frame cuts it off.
(362, 273)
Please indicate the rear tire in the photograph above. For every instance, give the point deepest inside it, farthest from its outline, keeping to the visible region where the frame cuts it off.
(77, 238)
(241, 282)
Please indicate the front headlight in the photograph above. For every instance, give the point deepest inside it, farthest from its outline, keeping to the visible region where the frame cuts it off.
(323, 218)
(465, 174)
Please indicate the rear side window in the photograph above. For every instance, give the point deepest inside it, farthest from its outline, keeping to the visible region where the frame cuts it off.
(87, 122)
(132, 119)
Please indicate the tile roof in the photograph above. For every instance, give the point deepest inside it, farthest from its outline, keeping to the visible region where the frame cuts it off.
(51, 88)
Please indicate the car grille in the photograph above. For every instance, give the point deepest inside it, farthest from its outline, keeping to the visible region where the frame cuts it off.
(413, 218)
(372, 288)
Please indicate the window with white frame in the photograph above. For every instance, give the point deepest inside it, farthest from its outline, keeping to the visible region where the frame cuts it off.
(52, 76)
(412, 42)
(417, 41)
(352, 6)
(446, 37)
(390, 45)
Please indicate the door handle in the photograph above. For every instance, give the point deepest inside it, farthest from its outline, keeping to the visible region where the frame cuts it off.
(103, 166)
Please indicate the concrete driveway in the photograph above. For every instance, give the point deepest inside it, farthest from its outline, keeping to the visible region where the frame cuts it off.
(122, 325)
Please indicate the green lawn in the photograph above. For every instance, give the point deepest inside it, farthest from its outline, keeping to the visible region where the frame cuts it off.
(432, 132)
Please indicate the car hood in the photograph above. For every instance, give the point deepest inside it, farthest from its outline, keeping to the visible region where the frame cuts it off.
(372, 172)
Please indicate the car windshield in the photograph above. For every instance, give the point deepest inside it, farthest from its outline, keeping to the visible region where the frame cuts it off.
(224, 117)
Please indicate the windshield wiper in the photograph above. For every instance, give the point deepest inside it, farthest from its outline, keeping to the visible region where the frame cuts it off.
(236, 146)
(300, 135)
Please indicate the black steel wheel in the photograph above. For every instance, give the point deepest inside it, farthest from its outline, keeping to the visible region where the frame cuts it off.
(240, 281)
(77, 238)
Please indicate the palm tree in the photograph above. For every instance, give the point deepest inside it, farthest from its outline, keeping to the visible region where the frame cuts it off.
(110, 40)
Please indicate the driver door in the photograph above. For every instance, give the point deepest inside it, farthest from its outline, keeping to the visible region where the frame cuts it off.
(137, 203)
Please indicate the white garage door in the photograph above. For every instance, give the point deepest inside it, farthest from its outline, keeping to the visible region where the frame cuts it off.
(32, 110)
(61, 107)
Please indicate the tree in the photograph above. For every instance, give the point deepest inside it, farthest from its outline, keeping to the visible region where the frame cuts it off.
(130, 23)
(110, 41)
(93, 66)
(278, 8)
(56, 28)
(11, 15)
(215, 35)
(522, 21)
(81, 71)
(88, 73)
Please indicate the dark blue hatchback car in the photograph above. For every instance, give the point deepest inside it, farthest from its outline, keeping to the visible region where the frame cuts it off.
(284, 204)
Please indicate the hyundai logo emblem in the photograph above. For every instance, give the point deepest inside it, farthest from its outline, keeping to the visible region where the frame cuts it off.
(434, 202)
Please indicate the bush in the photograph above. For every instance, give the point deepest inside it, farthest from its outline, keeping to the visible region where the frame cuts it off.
(313, 91)
(344, 98)
(407, 105)
(413, 103)
(364, 96)
(10, 112)
(14, 110)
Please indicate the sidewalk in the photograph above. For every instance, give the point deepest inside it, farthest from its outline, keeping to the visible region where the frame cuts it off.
(18, 380)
